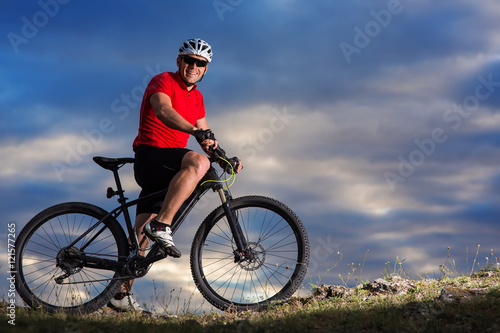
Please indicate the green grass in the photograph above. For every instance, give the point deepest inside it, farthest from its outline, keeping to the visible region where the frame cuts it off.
(419, 310)
(358, 309)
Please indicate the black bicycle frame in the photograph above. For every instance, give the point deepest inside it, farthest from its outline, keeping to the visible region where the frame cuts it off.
(154, 254)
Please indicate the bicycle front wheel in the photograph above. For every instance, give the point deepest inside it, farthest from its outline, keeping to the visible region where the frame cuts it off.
(277, 265)
(48, 278)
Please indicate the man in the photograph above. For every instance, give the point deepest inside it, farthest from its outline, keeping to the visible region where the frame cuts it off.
(172, 109)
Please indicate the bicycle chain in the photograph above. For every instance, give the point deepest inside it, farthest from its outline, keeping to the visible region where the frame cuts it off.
(91, 281)
(66, 275)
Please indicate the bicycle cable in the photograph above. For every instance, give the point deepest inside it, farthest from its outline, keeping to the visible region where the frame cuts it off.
(233, 175)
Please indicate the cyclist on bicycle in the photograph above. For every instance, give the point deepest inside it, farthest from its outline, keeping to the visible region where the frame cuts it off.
(172, 109)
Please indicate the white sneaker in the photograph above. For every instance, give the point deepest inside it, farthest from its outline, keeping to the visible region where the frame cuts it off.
(123, 302)
(163, 236)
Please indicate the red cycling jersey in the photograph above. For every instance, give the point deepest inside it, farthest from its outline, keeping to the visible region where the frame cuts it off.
(189, 104)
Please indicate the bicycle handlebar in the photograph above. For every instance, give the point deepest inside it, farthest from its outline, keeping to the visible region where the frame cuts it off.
(219, 154)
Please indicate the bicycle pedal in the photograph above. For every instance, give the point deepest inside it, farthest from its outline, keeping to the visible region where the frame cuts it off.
(170, 251)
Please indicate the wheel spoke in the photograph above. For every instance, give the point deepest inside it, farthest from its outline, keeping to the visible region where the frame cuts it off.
(268, 269)
(42, 260)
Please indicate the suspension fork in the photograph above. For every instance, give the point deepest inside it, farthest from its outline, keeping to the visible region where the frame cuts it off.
(232, 219)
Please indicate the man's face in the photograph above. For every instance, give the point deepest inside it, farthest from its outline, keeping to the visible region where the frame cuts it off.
(191, 72)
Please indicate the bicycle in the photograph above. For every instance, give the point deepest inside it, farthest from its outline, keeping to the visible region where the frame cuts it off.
(247, 252)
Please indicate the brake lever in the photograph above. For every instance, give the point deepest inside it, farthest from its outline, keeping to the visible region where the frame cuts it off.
(230, 163)
(231, 166)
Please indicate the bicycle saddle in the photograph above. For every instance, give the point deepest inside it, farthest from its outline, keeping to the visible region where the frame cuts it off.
(111, 163)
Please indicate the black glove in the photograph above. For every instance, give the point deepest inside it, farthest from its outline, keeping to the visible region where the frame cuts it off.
(202, 135)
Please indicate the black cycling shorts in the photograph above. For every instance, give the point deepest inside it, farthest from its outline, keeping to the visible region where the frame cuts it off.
(154, 168)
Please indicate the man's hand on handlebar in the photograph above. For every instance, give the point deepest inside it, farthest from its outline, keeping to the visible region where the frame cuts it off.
(236, 163)
(207, 140)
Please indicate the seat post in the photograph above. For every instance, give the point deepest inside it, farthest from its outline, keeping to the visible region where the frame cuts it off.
(122, 200)
(118, 186)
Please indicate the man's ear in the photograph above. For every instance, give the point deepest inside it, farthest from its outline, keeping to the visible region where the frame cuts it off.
(179, 62)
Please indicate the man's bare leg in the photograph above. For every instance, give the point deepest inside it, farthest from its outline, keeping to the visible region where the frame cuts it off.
(194, 166)
(140, 221)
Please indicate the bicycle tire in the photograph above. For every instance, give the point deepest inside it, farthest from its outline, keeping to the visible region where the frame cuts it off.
(280, 244)
(40, 242)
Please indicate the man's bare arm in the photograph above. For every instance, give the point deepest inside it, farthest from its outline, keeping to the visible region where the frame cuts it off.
(168, 115)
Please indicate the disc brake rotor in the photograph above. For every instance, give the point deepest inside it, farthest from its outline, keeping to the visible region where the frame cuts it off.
(254, 258)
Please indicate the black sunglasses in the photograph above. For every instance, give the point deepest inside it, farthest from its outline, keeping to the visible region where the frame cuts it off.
(192, 61)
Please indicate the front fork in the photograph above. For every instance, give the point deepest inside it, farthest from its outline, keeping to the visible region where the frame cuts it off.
(232, 219)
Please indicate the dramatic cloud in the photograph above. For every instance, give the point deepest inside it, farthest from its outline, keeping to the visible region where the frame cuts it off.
(377, 122)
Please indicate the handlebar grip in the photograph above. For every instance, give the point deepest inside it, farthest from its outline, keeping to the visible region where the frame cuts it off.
(219, 153)
(231, 167)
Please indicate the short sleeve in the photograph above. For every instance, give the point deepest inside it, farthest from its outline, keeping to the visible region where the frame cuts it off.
(201, 107)
(160, 83)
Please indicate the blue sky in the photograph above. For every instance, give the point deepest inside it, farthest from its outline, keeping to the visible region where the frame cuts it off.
(376, 121)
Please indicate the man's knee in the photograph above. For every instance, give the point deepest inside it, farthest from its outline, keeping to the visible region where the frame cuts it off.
(197, 161)
(203, 164)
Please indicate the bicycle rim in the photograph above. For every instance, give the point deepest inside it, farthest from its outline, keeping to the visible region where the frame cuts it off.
(41, 261)
(280, 254)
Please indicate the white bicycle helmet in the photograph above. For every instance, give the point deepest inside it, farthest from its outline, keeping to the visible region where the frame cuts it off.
(197, 47)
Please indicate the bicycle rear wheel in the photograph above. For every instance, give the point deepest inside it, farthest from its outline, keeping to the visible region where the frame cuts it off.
(47, 278)
(279, 245)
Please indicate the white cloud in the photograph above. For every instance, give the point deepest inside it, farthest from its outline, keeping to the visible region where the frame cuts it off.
(324, 159)
(64, 157)
(411, 231)
(327, 180)
(297, 160)
(487, 121)
(427, 78)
